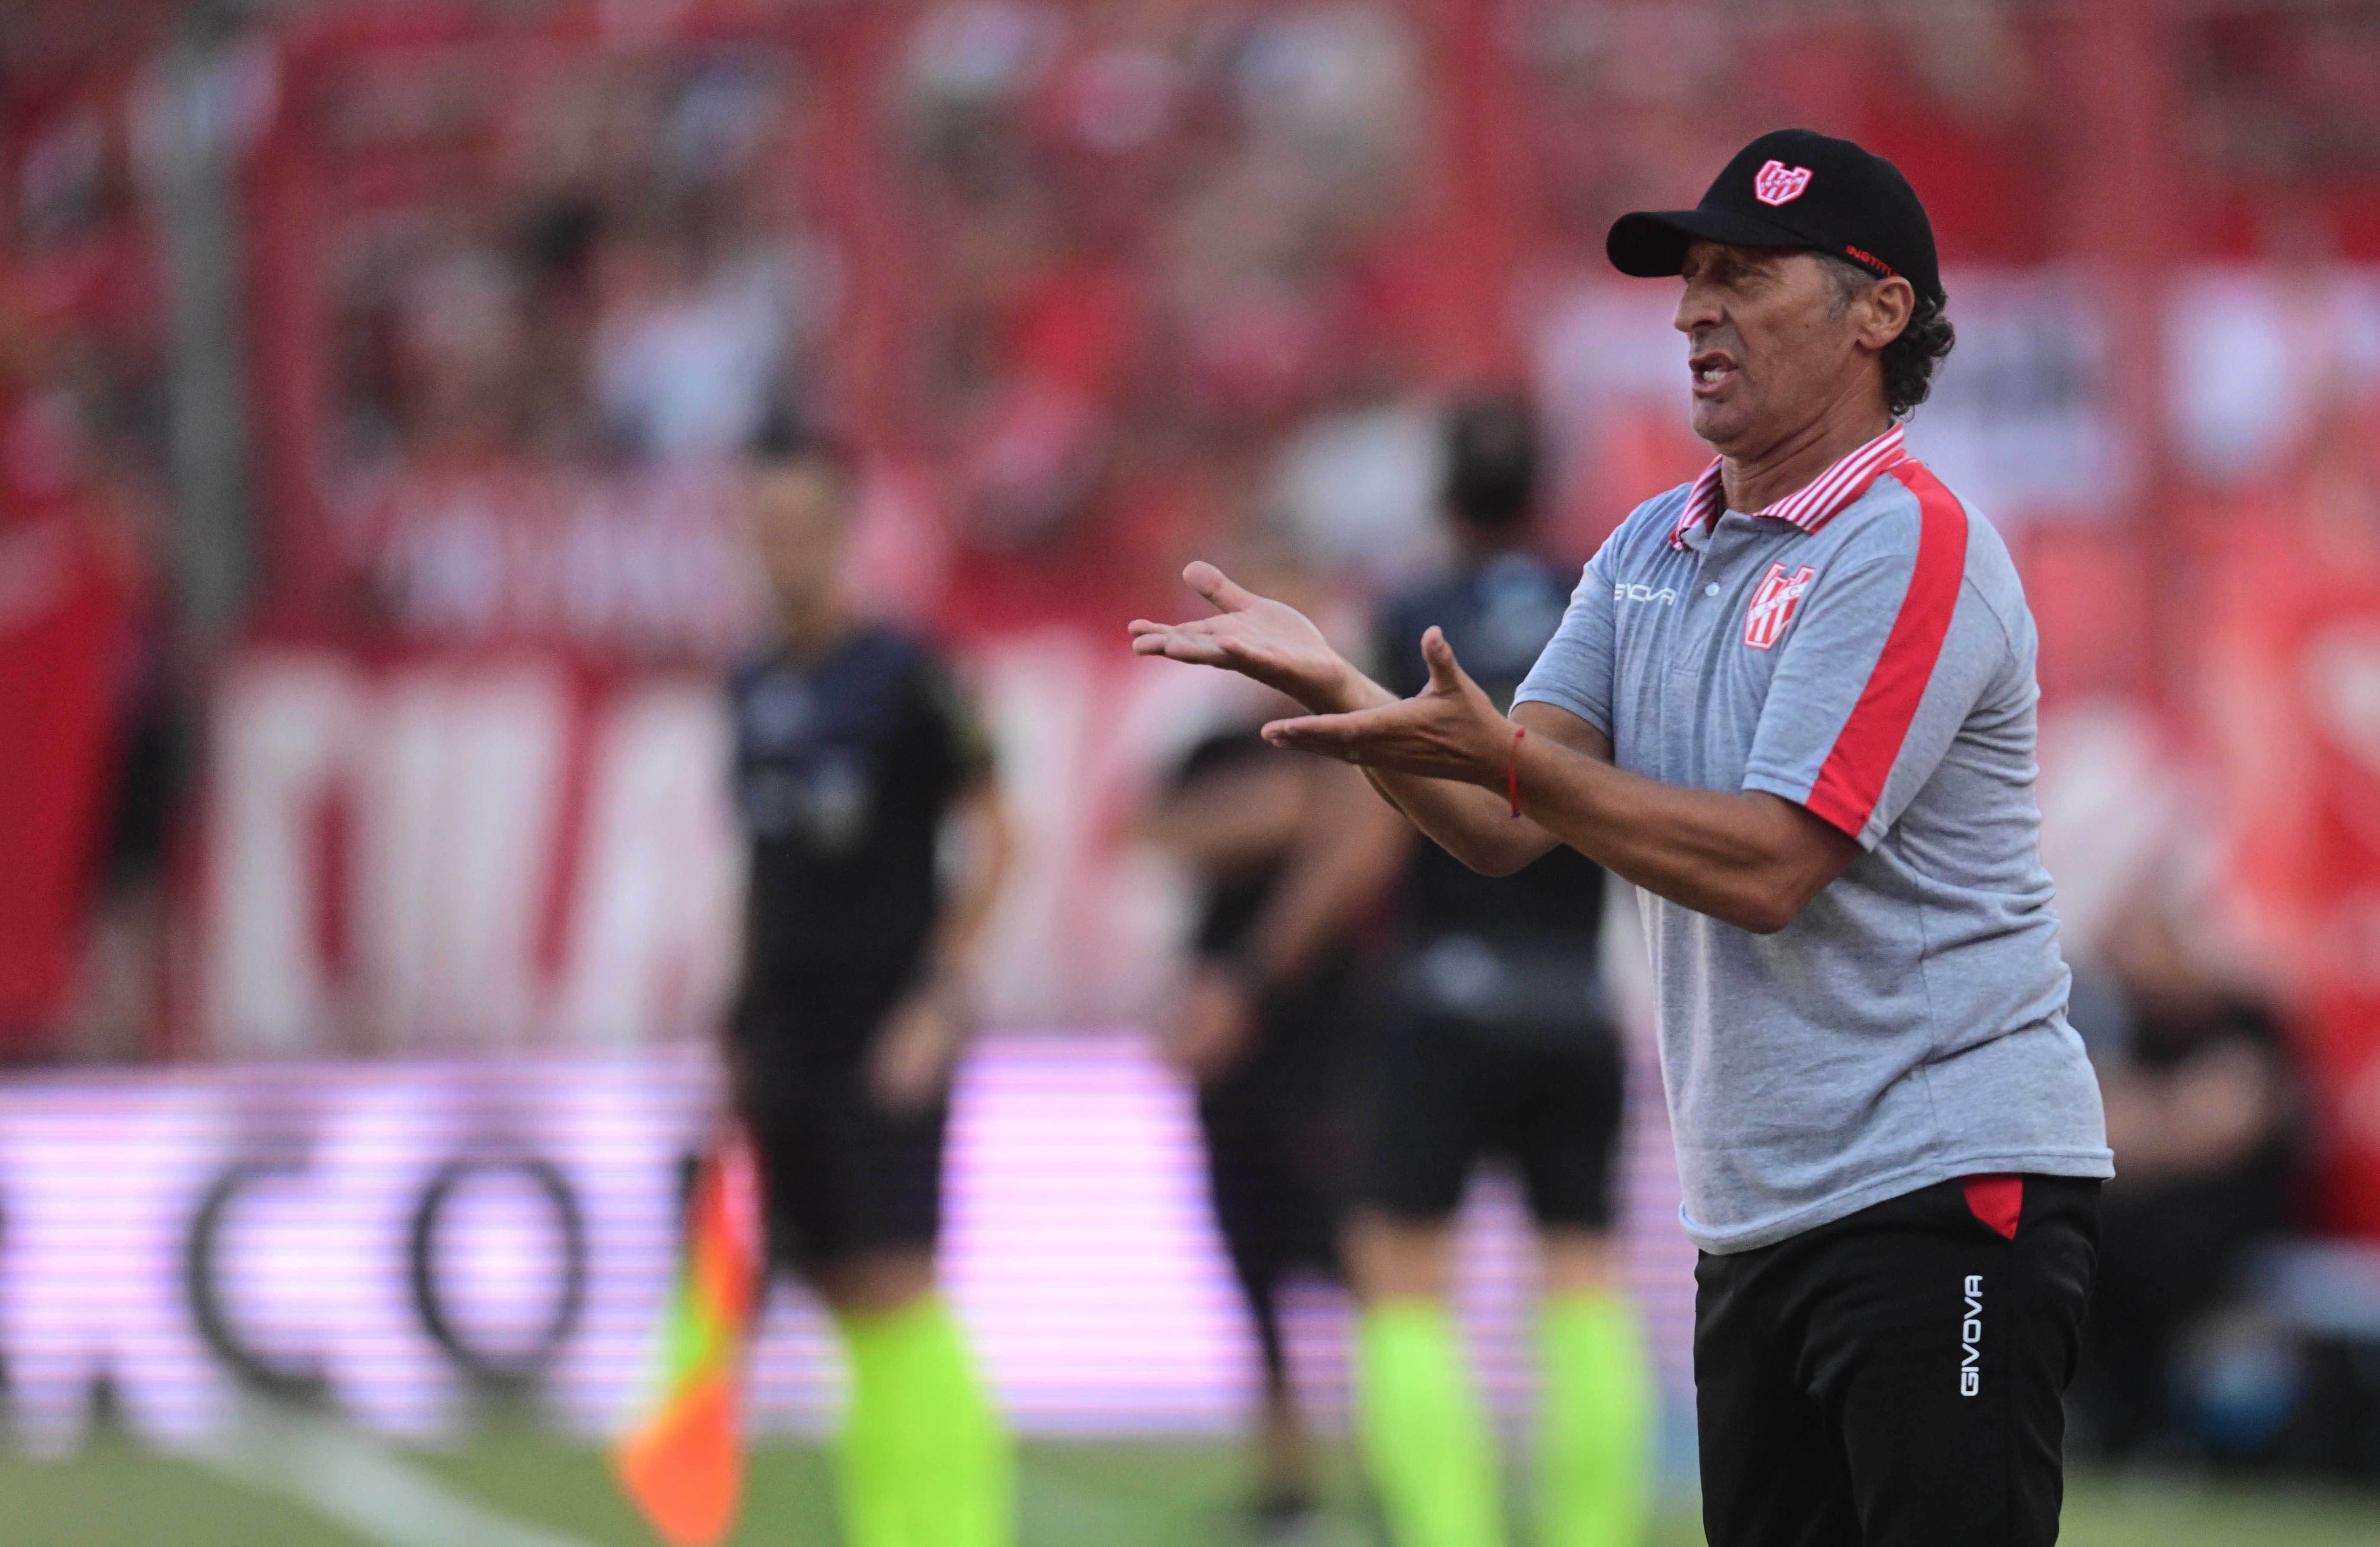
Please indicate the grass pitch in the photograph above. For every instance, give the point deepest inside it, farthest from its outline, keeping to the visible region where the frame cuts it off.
(537, 1489)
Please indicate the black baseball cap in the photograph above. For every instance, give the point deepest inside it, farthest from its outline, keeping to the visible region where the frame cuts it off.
(1799, 188)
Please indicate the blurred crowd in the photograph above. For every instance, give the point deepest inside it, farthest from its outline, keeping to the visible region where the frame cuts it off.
(1098, 285)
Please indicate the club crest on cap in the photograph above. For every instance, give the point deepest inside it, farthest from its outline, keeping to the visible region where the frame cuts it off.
(1777, 183)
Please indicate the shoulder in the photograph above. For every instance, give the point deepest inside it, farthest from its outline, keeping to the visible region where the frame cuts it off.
(1957, 528)
(921, 678)
(1519, 573)
(882, 644)
(1905, 513)
(1655, 519)
(1417, 607)
(749, 670)
(895, 660)
(1911, 521)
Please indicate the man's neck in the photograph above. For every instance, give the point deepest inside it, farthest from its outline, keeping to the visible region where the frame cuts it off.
(1757, 483)
(1476, 549)
(811, 629)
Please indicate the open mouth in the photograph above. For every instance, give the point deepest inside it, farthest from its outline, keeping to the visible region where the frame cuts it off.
(1713, 370)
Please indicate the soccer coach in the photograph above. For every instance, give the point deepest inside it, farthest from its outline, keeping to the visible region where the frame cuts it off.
(1793, 702)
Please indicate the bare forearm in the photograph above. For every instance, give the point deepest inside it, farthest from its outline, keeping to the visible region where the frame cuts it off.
(957, 949)
(2214, 1110)
(1472, 824)
(1335, 878)
(1232, 818)
(1448, 759)
(1750, 860)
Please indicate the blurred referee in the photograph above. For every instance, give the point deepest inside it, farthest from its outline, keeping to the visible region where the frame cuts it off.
(1793, 702)
(855, 754)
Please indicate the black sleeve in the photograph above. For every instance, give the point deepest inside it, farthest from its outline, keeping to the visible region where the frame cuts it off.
(961, 751)
(731, 773)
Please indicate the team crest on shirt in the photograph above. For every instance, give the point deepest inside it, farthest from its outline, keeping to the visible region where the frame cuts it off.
(1777, 183)
(1773, 605)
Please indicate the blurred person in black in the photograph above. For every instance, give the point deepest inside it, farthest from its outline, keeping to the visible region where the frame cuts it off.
(857, 762)
(2201, 1106)
(1494, 1040)
(1292, 860)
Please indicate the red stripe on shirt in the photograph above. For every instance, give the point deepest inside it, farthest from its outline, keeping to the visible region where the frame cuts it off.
(1852, 780)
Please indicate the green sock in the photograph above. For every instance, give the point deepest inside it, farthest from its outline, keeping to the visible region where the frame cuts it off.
(1595, 1447)
(922, 1460)
(1424, 1434)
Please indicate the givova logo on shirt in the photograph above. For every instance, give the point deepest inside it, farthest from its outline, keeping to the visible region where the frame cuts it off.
(1773, 605)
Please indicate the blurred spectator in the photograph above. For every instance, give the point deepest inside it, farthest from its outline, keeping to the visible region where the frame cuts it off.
(2203, 1115)
(562, 286)
(714, 298)
(74, 583)
(1358, 486)
(88, 697)
(1155, 235)
(2283, 110)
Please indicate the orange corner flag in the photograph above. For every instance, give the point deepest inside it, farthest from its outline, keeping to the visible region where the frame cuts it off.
(681, 1462)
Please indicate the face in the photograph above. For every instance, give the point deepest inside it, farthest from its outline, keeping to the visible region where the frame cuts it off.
(799, 525)
(1770, 346)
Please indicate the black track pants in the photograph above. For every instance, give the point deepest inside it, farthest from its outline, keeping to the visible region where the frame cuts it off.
(1895, 1379)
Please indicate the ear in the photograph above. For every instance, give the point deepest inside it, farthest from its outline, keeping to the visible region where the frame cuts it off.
(1883, 312)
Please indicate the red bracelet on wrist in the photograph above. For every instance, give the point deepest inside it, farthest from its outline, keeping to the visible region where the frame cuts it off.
(1513, 780)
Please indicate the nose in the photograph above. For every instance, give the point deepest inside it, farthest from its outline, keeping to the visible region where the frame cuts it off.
(1697, 307)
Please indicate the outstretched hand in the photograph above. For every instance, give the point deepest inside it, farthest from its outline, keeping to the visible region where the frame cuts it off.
(1256, 636)
(1449, 730)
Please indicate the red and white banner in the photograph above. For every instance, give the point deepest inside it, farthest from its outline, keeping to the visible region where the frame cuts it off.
(515, 852)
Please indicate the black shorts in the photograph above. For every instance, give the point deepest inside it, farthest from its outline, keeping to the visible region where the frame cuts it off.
(840, 1175)
(1275, 1126)
(1895, 1379)
(1446, 1092)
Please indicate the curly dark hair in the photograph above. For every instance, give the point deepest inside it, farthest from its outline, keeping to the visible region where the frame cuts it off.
(1910, 359)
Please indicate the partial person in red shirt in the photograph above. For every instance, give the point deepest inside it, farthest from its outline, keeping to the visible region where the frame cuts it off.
(69, 577)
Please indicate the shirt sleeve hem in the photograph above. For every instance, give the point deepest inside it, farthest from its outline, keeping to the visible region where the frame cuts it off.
(1559, 700)
(1859, 827)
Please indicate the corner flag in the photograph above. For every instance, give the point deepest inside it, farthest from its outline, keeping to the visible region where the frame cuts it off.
(683, 1461)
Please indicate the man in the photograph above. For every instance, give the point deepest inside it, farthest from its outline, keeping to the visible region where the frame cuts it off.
(1493, 1041)
(2203, 1117)
(1793, 702)
(1291, 857)
(853, 754)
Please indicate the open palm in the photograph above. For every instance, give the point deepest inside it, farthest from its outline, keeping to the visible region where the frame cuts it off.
(1449, 730)
(1257, 636)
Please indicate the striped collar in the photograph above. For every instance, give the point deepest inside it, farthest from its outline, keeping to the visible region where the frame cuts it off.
(1811, 506)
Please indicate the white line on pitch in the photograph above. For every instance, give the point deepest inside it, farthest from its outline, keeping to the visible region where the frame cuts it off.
(365, 1487)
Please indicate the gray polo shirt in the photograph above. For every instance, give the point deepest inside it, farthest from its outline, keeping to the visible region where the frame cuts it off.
(1862, 648)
